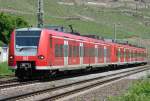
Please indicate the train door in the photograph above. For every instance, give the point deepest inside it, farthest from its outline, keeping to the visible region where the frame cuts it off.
(119, 55)
(65, 52)
(127, 55)
(136, 57)
(109, 54)
(130, 55)
(51, 51)
(100, 54)
(122, 54)
(105, 54)
(91, 53)
(96, 54)
(86, 55)
(73, 57)
(115, 54)
(81, 54)
(58, 59)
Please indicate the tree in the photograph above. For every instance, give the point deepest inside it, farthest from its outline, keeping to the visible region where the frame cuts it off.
(7, 24)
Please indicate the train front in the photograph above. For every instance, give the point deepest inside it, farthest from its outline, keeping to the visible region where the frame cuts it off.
(24, 53)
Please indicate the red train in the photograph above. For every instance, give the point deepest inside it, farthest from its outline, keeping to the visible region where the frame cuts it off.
(42, 51)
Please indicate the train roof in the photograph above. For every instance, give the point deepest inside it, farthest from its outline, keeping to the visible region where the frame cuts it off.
(57, 30)
(29, 29)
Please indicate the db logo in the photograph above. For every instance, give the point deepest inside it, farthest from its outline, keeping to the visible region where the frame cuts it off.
(25, 58)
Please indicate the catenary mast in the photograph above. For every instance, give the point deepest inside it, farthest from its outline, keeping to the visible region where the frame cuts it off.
(40, 14)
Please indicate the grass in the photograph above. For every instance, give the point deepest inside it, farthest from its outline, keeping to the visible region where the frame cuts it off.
(103, 18)
(4, 69)
(1, 43)
(140, 91)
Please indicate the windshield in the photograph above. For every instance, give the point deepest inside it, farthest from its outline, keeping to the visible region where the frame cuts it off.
(27, 42)
(27, 38)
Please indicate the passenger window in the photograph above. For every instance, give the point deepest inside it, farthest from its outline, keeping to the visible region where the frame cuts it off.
(50, 41)
(100, 52)
(65, 50)
(81, 51)
(105, 52)
(70, 51)
(58, 50)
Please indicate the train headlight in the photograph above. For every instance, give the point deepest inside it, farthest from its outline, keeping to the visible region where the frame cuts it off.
(11, 57)
(41, 57)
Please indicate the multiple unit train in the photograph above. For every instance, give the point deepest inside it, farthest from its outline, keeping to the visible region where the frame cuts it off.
(43, 51)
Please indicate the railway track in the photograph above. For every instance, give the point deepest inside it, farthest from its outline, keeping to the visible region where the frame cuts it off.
(15, 83)
(6, 78)
(7, 81)
(54, 93)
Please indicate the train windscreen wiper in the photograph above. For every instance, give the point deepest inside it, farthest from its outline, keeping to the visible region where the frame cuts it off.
(26, 48)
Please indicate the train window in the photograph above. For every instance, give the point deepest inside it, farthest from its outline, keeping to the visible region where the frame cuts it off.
(56, 51)
(50, 41)
(125, 52)
(75, 51)
(59, 50)
(100, 52)
(81, 51)
(70, 51)
(130, 54)
(96, 52)
(86, 51)
(65, 50)
(108, 52)
(92, 52)
(28, 33)
(140, 54)
(133, 55)
(144, 54)
(105, 52)
(27, 38)
(118, 53)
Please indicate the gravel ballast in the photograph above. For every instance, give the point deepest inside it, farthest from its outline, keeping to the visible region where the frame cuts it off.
(103, 93)
(114, 89)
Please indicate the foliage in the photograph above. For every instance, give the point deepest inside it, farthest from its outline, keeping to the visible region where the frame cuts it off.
(93, 19)
(4, 69)
(138, 92)
(1, 43)
(7, 24)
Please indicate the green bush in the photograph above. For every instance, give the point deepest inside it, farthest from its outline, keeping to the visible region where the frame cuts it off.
(1, 43)
(138, 92)
(4, 69)
(7, 24)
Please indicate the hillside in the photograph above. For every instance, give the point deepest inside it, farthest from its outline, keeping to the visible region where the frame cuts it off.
(97, 18)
